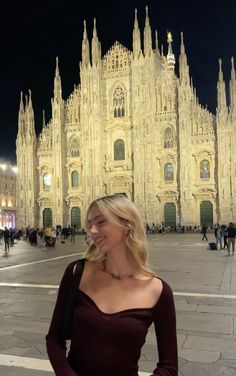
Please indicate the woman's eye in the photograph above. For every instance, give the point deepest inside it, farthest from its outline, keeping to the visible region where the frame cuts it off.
(101, 222)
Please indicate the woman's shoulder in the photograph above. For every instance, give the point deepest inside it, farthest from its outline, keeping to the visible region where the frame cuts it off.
(166, 294)
(159, 291)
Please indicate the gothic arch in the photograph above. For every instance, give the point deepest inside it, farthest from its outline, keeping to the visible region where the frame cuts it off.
(119, 100)
(206, 213)
(169, 140)
(170, 214)
(73, 147)
(47, 217)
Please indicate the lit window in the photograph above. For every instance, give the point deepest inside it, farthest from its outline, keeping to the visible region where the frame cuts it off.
(169, 173)
(47, 181)
(119, 102)
(75, 179)
(119, 150)
(204, 169)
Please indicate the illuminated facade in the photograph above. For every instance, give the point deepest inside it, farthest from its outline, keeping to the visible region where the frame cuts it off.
(7, 195)
(132, 126)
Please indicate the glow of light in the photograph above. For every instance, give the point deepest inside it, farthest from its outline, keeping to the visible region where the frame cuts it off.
(3, 166)
(15, 169)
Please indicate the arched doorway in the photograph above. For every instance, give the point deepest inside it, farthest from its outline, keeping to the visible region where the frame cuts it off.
(47, 217)
(170, 214)
(76, 217)
(206, 213)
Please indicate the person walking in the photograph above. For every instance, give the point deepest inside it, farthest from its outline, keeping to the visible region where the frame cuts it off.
(204, 232)
(218, 236)
(117, 299)
(225, 236)
(6, 236)
(72, 234)
(231, 237)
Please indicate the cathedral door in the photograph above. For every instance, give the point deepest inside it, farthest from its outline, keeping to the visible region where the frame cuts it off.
(170, 214)
(47, 217)
(206, 213)
(76, 217)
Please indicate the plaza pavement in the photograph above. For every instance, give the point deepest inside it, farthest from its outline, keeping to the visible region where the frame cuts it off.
(204, 285)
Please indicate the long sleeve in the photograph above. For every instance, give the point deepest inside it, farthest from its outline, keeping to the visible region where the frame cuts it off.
(56, 346)
(165, 328)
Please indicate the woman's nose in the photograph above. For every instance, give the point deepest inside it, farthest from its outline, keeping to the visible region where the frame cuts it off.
(93, 229)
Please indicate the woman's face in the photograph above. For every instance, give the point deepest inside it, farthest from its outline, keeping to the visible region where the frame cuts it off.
(105, 235)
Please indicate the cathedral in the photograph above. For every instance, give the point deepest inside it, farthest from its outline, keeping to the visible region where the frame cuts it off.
(133, 125)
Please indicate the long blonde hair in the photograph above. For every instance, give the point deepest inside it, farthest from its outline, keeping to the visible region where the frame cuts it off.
(120, 210)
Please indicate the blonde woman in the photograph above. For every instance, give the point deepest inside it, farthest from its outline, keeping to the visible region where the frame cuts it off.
(117, 299)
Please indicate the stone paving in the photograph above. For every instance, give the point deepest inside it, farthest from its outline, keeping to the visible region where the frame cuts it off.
(204, 285)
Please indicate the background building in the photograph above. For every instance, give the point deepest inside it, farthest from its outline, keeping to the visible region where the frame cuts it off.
(132, 126)
(7, 194)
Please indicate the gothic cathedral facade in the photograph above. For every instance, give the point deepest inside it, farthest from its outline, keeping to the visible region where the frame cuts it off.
(131, 126)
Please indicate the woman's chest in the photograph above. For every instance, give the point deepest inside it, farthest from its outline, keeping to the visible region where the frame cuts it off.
(121, 295)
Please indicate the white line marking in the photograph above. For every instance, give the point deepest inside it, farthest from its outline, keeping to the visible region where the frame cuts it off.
(33, 363)
(41, 261)
(198, 294)
(190, 294)
(28, 285)
(24, 362)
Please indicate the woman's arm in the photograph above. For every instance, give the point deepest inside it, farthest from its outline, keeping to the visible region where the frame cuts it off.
(165, 328)
(56, 345)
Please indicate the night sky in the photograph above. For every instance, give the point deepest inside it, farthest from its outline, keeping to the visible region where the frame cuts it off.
(34, 33)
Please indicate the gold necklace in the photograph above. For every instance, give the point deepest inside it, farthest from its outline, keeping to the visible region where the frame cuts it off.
(117, 276)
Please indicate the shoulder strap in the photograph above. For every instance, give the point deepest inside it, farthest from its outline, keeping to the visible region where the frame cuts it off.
(78, 271)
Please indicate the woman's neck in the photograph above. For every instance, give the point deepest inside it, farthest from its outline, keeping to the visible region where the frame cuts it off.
(119, 263)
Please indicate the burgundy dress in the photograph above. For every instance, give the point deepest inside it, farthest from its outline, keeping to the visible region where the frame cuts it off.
(109, 344)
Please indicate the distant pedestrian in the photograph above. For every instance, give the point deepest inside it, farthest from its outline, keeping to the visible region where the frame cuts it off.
(54, 236)
(231, 237)
(204, 232)
(225, 236)
(72, 234)
(6, 236)
(218, 236)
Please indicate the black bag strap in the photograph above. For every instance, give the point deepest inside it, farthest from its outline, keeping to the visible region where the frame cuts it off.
(78, 271)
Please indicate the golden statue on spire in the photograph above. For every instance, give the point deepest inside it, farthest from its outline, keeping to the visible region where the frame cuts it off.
(169, 37)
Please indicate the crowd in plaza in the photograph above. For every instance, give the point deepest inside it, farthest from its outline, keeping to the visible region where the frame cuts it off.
(224, 237)
(48, 236)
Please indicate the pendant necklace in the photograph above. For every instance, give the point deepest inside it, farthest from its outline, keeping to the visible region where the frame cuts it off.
(118, 277)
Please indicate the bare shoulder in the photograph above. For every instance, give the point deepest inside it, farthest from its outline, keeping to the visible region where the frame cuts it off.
(153, 286)
(157, 287)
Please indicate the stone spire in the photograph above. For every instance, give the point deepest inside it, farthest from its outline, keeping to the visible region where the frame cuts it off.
(183, 64)
(44, 122)
(85, 48)
(57, 83)
(30, 117)
(221, 93)
(96, 47)
(156, 43)
(232, 87)
(136, 37)
(21, 117)
(170, 55)
(147, 36)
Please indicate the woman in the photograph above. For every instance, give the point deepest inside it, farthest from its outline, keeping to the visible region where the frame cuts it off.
(118, 298)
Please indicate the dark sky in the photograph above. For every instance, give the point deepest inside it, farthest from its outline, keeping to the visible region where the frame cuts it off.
(33, 33)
